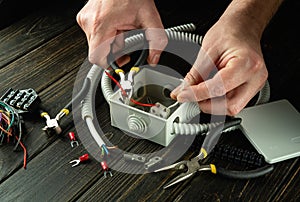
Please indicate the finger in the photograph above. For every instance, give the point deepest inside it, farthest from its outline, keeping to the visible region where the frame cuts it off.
(119, 42)
(215, 106)
(157, 40)
(175, 92)
(232, 103)
(178, 89)
(123, 60)
(203, 66)
(200, 71)
(99, 47)
(225, 80)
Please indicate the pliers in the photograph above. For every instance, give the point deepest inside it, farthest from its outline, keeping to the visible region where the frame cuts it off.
(193, 165)
(127, 85)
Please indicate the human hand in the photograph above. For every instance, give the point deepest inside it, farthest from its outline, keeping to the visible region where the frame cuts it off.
(105, 21)
(234, 53)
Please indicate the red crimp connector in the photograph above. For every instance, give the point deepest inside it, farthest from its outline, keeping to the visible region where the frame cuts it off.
(73, 139)
(82, 158)
(105, 168)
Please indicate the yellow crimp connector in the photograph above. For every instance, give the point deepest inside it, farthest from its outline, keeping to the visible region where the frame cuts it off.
(204, 152)
(44, 114)
(119, 70)
(213, 168)
(66, 111)
(136, 69)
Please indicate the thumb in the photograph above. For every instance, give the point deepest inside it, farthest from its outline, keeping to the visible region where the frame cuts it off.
(200, 71)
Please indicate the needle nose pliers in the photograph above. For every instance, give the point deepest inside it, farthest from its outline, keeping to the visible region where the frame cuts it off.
(194, 165)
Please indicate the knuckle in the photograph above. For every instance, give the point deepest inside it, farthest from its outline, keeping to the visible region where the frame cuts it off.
(265, 74)
(79, 18)
(218, 90)
(233, 109)
(92, 59)
(257, 66)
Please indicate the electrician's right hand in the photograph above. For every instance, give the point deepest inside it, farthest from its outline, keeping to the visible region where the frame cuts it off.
(105, 21)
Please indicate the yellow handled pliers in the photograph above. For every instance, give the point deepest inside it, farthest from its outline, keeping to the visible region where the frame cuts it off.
(193, 165)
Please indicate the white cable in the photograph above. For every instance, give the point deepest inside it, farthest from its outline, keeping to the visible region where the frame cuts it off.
(94, 132)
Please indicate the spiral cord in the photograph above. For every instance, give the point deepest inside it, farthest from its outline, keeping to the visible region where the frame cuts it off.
(264, 94)
(106, 86)
(174, 33)
(184, 37)
(192, 110)
(192, 129)
(190, 27)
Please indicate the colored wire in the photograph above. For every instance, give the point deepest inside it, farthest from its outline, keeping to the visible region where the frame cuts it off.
(10, 117)
(25, 152)
(141, 104)
(123, 92)
(116, 82)
(11, 111)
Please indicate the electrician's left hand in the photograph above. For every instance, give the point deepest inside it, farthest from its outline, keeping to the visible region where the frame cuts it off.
(235, 54)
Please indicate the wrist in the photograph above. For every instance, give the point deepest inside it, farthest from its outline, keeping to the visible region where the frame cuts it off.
(250, 16)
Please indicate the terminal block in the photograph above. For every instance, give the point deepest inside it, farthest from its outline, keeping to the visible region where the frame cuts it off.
(26, 100)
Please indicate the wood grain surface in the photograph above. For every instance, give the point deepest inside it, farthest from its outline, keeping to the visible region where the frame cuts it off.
(46, 49)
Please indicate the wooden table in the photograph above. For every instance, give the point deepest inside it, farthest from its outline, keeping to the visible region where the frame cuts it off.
(44, 51)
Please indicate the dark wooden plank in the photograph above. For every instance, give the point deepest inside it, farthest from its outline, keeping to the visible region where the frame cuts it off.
(290, 190)
(45, 64)
(38, 70)
(35, 139)
(51, 167)
(28, 33)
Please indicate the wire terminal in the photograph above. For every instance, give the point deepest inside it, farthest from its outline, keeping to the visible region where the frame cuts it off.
(73, 139)
(105, 169)
(83, 158)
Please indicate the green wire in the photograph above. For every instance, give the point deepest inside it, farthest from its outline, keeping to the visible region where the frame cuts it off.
(8, 108)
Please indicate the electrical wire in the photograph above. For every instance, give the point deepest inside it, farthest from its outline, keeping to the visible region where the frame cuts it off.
(80, 95)
(124, 93)
(25, 152)
(11, 127)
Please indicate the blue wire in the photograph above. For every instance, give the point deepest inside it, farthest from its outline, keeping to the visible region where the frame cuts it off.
(105, 149)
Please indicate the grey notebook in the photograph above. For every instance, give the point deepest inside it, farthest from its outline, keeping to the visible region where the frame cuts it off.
(273, 129)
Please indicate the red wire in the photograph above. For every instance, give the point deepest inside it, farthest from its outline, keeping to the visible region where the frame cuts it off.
(123, 91)
(25, 153)
(118, 84)
(141, 104)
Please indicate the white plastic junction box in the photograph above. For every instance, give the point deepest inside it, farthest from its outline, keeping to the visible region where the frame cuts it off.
(150, 86)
